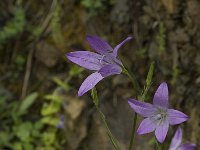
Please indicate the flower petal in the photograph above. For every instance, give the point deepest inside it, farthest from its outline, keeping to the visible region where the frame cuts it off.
(187, 146)
(115, 51)
(176, 117)
(110, 69)
(88, 60)
(177, 139)
(146, 126)
(144, 109)
(89, 83)
(161, 96)
(99, 45)
(161, 131)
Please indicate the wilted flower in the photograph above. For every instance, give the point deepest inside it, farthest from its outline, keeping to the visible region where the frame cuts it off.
(158, 116)
(177, 140)
(104, 62)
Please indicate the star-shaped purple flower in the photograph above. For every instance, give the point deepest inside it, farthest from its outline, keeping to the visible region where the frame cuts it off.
(158, 116)
(104, 62)
(176, 143)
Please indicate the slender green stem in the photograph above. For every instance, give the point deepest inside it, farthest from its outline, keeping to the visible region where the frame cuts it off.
(103, 119)
(113, 140)
(137, 88)
(133, 131)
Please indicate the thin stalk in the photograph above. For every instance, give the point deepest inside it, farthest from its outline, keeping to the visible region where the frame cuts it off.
(137, 88)
(103, 119)
(112, 138)
(133, 131)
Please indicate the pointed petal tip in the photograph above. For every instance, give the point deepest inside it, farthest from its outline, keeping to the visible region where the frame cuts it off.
(176, 117)
(161, 131)
(89, 83)
(131, 101)
(70, 54)
(161, 95)
(164, 83)
(90, 37)
(146, 126)
(129, 37)
(80, 93)
(67, 54)
(142, 108)
(139, 132)
(161, 140)
(188, 146)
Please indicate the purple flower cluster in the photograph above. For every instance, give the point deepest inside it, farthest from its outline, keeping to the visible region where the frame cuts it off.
(105, 62)
(158, 116)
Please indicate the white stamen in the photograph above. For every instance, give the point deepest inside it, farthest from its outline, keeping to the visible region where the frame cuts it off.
(160, 116)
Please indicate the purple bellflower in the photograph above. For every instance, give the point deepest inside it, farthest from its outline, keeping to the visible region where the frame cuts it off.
(158, 116)
(176, 142)
(105, 62)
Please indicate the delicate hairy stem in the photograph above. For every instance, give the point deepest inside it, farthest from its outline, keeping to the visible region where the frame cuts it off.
(103, 119)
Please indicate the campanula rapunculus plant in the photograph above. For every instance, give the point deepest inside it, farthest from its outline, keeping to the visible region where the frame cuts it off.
(176, 143)
(105, 62)
(158, 116)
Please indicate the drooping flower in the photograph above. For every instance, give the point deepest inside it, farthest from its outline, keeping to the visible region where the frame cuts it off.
(158, 116)
(105, 62)
(176, 143)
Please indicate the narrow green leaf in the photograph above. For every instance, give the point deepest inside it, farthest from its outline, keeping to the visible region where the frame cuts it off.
(27, 102)
(53, 98)
(61, 83)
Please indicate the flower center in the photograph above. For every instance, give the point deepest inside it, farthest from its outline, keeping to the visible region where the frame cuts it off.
(105, 60)
(160, 116)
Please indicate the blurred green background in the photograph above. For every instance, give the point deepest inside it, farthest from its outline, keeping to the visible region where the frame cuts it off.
(38, 84)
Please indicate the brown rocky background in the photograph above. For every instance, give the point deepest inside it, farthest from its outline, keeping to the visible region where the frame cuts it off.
(165, 31)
